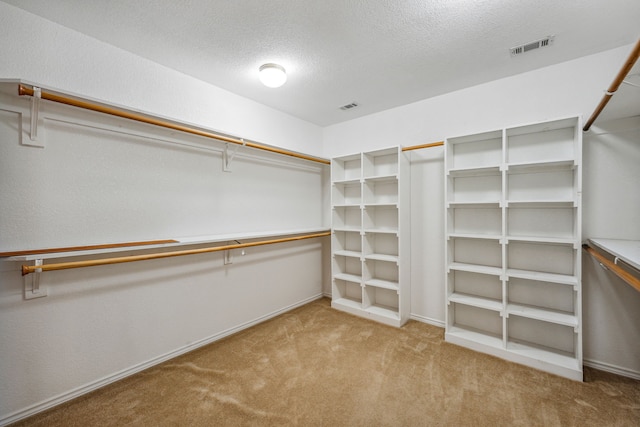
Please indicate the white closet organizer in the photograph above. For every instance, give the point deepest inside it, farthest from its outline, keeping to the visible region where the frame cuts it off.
(370, 242)
(513, 225)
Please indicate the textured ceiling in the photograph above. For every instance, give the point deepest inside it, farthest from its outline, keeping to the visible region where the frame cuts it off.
(378, 53)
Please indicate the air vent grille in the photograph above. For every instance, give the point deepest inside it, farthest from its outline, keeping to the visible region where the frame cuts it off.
(349, 106)
(545, 42)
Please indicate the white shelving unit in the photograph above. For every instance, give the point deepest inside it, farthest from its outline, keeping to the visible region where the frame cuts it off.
(513, 238)
(370, 242)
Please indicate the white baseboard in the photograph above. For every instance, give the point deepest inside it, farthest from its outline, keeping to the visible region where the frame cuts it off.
(428, 320)
(79, 391)
(606, 367)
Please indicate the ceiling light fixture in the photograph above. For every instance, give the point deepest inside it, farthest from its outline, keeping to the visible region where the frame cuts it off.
(273, 75)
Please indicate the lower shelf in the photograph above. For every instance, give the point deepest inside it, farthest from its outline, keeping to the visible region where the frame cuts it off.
(537, 357)
(379, 313)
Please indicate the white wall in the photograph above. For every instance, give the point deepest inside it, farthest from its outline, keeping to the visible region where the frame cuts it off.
(611, 206)
(101, 179)
(54, 56)
(611, 209)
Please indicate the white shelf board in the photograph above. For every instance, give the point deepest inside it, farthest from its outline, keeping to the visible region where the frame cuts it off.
(382, 178)
(558, 358)
(348, 277)
(481, 171)
(474, 204)
(350, 229)
(547, 166)
(352, 254)
(475, 336)
(386, 284)
(546, 315)
(627, 250)
(382, 230)
(475, 268)
(347, 303)
(383, 205)
(563, 279)
(349, 181)
(541, 203)
(384, 311)
(475, 236)
(475, 301)
(346, 205)
(180, 241)
(389, 177)
(538, 239)
(383, 257)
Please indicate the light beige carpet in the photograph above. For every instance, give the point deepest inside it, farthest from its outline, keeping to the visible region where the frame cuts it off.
(316, 366)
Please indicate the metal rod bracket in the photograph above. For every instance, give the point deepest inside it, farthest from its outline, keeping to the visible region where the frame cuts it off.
(32, 287)
(35, 109)
(35, 134)
(229, 154)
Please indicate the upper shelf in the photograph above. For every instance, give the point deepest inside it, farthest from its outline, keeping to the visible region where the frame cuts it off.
(170, 243)
(626, 250)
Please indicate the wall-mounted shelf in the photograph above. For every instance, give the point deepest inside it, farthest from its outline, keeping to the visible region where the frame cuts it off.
(512, 223)
(622, 258)
(370, 243)
(31, 273)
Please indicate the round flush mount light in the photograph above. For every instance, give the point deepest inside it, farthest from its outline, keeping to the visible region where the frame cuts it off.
(272, 75)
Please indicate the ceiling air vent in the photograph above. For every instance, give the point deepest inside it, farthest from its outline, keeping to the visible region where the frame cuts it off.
(349, 106)
(519, 50)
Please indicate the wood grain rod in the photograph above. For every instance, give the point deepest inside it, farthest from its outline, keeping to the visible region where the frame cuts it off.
(421, 146)
(26, 269)
(614, 268)
(24, 90)
(628, 65)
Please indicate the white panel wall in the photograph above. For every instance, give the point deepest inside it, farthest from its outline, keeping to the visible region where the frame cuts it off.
(95, 182)
(611, 198)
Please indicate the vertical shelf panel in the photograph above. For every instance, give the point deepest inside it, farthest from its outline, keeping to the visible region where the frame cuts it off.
(370, 246)
(513, 233)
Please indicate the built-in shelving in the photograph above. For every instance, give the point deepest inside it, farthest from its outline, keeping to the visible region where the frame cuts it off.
(512, 223)
(370, 244)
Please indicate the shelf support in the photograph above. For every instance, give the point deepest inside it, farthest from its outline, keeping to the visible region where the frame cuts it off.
(35, 108)
(229, 154)
(31, 284)
(35, 137)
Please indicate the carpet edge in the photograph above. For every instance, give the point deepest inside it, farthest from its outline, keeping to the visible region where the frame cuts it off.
(104, 381)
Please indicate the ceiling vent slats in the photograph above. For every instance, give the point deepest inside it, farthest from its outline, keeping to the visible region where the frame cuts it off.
(527, 47)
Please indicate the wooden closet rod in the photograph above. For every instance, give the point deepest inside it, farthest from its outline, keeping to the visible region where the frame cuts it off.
(26, 269)
(24, 90)
(628, 65)
(614, 268)
(418, 147)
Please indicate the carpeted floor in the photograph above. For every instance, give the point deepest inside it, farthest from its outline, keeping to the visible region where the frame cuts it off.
(316, 366)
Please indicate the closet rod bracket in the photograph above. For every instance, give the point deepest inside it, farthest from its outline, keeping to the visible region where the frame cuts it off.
(35, 109)
(229, 154)
(31, 284)
(35, 135)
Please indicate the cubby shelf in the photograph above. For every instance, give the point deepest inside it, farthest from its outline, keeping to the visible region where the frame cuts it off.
(370, 198)
(386, 284)
(552, 316)
(352, 254)
(513, 261)
(475, 301)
